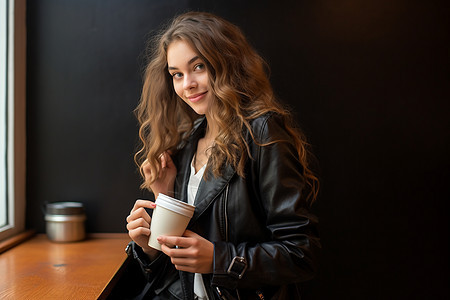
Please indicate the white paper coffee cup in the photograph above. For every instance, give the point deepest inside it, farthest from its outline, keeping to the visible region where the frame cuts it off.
(170, 217)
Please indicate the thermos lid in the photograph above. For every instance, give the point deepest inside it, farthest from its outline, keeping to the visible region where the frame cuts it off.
(175, 205)
(64, 208)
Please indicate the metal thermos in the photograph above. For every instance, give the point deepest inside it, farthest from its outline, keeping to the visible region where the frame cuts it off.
(65, 221)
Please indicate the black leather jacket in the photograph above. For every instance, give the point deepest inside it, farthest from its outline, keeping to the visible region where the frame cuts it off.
(265, 238)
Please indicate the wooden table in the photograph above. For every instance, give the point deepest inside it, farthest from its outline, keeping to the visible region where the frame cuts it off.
(40, 269)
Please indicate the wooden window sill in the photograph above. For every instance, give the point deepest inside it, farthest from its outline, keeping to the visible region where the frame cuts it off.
(15, 240)
(41, 269)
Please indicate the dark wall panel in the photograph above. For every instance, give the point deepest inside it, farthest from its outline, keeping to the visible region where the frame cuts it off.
(368, 81)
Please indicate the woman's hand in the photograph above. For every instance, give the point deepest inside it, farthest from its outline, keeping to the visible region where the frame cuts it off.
(194, 253)
(138, 225)
(166, 178)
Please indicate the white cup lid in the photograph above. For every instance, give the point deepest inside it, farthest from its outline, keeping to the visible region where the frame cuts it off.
(175, 205)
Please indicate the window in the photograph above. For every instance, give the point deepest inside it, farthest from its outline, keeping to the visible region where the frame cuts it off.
(3, 115)
(12, 117)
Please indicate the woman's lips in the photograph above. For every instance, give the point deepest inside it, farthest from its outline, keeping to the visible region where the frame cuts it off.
(196, 97)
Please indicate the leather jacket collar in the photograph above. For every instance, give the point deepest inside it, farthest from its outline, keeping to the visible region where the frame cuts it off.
(208, 190)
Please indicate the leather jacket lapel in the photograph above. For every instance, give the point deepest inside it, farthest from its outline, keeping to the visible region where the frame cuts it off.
(184, 159)
(210, 189)
(184, 171)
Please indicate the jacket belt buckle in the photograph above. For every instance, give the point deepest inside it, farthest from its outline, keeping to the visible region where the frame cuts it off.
(237, 267)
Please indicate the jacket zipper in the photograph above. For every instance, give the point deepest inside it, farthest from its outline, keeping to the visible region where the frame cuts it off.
(225, 206)
(219, 292)
(226, 214)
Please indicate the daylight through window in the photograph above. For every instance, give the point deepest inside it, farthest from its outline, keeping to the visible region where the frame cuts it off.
(3, 113)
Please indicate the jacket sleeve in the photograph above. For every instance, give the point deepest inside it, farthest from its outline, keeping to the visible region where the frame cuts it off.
(288, 252)
(159, 273)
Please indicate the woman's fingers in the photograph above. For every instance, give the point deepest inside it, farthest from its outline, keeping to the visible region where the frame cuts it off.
(140, 213)
(163, 160)
(142, 203)
(165, 179)
(138, 232)
(191, 253)
(189, 239)
(141, 222)
(138, 222)
(166, 160)
(139, 216)
(172, 241)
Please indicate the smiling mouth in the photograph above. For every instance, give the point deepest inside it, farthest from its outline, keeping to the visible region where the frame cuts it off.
(196, 97)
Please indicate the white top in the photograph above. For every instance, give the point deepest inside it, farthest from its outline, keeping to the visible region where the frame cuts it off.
(194, 182)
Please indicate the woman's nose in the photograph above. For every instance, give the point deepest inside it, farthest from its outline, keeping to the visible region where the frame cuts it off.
(189, 82)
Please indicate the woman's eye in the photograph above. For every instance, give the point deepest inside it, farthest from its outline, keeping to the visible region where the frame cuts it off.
(199, 67)
(177, 75)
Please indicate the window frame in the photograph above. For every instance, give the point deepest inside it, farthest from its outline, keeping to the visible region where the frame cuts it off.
(17, 119)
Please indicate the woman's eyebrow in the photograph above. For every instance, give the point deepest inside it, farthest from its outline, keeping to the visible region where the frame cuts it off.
(189, 62)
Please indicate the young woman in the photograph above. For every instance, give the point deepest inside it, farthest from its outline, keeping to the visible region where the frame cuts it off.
(214, 135)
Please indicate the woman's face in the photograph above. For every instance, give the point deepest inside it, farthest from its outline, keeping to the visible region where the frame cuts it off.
(190, 76)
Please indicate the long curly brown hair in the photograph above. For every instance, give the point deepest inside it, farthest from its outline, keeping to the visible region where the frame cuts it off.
(239, 81)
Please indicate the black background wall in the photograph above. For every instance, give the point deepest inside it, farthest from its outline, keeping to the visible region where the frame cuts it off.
(368, 81)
